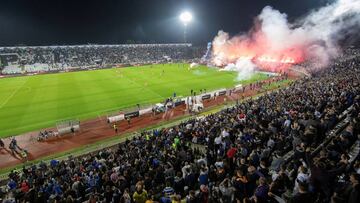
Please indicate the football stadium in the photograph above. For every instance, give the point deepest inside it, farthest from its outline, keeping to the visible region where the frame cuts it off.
(187, 101)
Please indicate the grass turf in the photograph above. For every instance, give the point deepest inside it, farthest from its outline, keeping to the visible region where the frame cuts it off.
(34, 102)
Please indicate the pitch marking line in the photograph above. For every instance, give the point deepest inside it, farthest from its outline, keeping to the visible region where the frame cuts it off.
(9, 97)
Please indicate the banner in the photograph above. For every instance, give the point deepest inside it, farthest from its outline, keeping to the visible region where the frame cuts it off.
(117, 118)
(206, 96)
(145, 111)
(222, 93)
(132, 114)
(178, 103)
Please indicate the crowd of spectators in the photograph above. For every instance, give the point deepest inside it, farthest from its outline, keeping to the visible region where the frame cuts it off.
(235, 155)
(55, 58)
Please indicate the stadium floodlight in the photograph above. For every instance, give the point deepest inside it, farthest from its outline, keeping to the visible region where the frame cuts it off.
(185, 18)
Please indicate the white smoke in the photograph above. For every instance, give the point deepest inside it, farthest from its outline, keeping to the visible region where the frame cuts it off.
(315, 36)
(244, 66)
(194, 65)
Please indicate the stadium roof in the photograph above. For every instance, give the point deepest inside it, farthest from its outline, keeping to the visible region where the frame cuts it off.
(95, 46)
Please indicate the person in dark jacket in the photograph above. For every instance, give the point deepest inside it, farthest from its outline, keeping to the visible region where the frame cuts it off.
(261, 192)
(303, 195)
(354, 195)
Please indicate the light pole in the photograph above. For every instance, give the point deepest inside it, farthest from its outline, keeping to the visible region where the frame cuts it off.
(185, 18)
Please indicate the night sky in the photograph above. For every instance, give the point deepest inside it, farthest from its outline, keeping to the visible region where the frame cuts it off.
(63, 22)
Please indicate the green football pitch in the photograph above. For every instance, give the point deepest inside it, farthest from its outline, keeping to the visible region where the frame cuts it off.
(34, 102)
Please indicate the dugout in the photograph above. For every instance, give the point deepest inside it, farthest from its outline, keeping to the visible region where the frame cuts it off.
(128, 113)
(68, 126)
(114, 116)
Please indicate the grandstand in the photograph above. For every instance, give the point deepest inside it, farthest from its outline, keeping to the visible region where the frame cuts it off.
(40, 59)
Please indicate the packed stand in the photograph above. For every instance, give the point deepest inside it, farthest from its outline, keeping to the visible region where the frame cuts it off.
(55, 58)
(241, 156)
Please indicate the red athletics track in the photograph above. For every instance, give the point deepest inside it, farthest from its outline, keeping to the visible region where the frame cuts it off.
(94, 130)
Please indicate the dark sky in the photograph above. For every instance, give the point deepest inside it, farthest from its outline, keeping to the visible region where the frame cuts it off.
(59, 22)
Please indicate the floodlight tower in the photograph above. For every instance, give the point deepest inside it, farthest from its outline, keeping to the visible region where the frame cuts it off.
(185, 18)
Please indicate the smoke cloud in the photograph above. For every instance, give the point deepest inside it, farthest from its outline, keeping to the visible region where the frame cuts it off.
(273, 39)
(245, 67)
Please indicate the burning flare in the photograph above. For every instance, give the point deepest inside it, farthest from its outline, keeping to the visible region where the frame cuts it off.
(274, 42)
